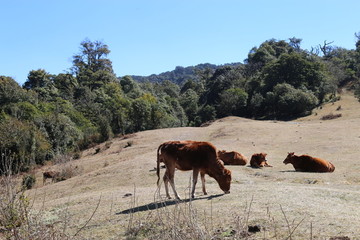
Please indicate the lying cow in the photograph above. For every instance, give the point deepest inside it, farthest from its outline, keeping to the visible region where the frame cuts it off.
(258, 160)
(305, 163)
(191, 155)
(232, 158)
(53, 175)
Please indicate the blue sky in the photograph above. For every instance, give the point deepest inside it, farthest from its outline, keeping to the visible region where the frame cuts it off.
(154, 36)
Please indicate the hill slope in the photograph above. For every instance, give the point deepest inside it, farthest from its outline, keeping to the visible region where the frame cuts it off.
(277, 198)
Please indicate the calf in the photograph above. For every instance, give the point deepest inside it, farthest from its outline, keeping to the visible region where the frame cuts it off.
(191, 155)
(232, 158)
(50, 174)
(258, 160)
(306, 163)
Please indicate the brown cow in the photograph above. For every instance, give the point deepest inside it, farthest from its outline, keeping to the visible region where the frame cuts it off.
(258, 160)
(306, 163)
(50, 174)
(232, 158)
(191, 155)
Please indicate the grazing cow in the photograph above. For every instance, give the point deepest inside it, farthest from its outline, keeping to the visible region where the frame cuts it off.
(232, 158)
(50, 174)
(306, 163)
(258, 160)
(191, 155)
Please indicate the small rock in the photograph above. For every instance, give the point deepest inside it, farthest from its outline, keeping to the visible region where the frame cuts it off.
(127, 195)
(254, 228)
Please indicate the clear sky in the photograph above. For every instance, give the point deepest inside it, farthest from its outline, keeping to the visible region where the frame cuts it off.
(154, 36)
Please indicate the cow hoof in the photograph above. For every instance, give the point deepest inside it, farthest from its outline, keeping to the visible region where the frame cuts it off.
(205, 193)
(227, 192)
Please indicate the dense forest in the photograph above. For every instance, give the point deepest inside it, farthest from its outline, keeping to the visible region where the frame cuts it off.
(56, 114)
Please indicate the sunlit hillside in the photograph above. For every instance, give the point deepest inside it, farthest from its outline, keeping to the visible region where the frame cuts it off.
(116, 183)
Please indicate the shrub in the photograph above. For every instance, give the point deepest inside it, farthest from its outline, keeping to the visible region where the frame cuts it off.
(129, 144)
(28, 181)
(77, 155)
(331, 116)
(67, 171)
(287, 101)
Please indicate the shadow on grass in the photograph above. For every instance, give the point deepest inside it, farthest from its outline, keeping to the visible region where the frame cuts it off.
(157, 205)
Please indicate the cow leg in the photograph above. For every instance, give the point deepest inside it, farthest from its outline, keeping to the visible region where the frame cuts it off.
(166, 184)
(202, 174)
(169, 177)
(195, 178)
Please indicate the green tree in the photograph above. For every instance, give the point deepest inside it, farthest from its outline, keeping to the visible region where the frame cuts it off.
(267, 52)
(189, 102)
(11, 92)
(296, 70)
(256, 105)
(206, 113)
(25, 141)
(140, 114)
(286, 101)
(42, 83)
(22, 111)
(232, 102)
(193, 85)
(223, 79)
(118, 106)
(91, 66)
(130, 87)
(61, 132)
(66, 84)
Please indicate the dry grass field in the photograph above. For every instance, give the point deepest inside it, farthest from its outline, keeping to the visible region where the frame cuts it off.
(115, 195)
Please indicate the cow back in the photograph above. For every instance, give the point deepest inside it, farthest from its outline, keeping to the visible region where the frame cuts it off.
(232, 158)
(307, 163)
(188, 155)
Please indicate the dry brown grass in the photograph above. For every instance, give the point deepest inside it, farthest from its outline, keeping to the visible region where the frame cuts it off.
(285, 204)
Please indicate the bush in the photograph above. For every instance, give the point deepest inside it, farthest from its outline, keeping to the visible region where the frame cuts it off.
(25, 142)
(287, 101)
(28, 181)
(331, 116)
(67, 171)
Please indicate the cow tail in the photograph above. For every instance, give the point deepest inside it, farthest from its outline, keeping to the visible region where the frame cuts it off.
(158, 164)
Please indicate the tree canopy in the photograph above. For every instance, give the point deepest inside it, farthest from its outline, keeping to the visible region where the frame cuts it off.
(54, 114)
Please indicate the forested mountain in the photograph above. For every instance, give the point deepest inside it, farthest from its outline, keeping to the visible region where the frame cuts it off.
(56, 114)
(180, 74)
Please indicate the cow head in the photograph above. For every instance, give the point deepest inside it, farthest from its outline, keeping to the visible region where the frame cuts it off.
(260, 158)
(289, 158)
(221, 153)
(225, 181)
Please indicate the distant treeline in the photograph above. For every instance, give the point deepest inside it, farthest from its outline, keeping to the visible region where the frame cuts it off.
(52, 115)
(181, 74)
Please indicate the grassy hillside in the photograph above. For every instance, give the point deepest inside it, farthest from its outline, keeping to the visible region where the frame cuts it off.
(117, 179)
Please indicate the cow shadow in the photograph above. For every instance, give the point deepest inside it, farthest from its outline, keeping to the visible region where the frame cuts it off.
(162, 204)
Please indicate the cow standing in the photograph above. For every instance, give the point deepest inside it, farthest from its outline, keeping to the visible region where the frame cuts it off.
(191, 155)
(232, 158)
(306, 163)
